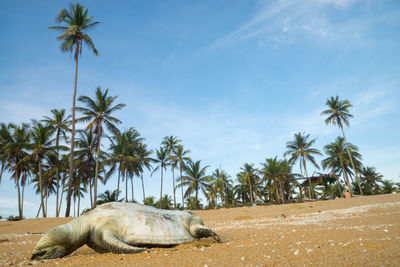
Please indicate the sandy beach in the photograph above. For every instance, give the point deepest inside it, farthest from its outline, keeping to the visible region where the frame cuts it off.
(362, 231)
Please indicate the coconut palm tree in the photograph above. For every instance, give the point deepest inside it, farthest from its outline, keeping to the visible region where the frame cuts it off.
(300, 150)
(98, 112)
(171, 143)
(15, 143)
(250, 177)
(60, 123)
(77, 22)
(275, 172)
(195, 179)
(108, 196)
(144, 159)
(162, 161)
(42, 147)
(182, 158)
(222, 183)
(338, 160)
(370, 179)
(164, 203)
(338, 114)
(85, 156)
(5, 138)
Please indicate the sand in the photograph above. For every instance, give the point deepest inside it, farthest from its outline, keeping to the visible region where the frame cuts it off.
(362, 231)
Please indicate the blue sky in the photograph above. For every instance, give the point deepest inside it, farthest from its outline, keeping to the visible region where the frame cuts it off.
(233, 79)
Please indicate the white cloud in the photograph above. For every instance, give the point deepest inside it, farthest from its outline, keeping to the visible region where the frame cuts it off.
(287, 21)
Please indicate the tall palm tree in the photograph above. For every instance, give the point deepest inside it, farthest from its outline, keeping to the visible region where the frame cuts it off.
(274, 172)
(86, 150)
(98, 112)
(144, 159)
(338, 160)
(42, 147)
(171, 143)
(5, 138)
(60, 122)
(14, 149)
(182, 158)
(300, 150)
(222, 183)
(338, 114)
(370, 177)
(162, 161)
(195, 179)
(73, 37)
(250, 177)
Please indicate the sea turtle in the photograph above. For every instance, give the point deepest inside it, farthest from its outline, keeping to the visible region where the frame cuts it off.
(122, 228)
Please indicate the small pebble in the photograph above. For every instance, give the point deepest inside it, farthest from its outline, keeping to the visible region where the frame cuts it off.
(296, 252)
(242, 258)
(386, 230)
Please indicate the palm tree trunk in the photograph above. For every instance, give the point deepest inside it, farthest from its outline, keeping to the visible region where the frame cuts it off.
(58, 173)
(71, 155)
(346, 178)
(126, 187)
(161, 185)
(46, 197)
(251, 193)
(41, 187)
(119, 177)
(2, 169)
(308, 179)
(19, 191)
(197, 197)
(74, 205)
(132, 188)
(173, 186)
(79, 198)
(144, 196)
(90, 192)
(22, 197)
(183, 200)
(351, 161)
(62, 193)
(40, 208)
(97, 162)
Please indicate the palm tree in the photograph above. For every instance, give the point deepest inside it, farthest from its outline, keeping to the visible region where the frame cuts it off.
(338, 113)
(250, 177)
(195, 179)
(5, 138)
(108, 196)
(97, 112)
(170, 143)
(274, 172)
(182, 158)
(144, 159)
(41, 148)
(60, 122)
(370, 178)
(388, 187)
(86, 149)
(338, 160)
(164, 203)
(300, 149)
(222, 183)
(73, 37)
(15, 142)
(162, 160)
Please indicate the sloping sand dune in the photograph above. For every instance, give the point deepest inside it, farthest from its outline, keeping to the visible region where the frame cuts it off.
(361, 231)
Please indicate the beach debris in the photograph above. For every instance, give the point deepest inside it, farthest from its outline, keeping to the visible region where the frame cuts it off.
(296, 252)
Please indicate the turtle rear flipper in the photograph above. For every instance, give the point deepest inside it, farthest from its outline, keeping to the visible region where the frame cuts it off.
(115, 244)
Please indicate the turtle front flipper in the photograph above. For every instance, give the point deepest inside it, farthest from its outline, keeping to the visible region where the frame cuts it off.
(199, 231)
(113, 243)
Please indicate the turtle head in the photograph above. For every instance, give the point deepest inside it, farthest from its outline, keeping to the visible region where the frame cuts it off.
(199, 230)
(54, 244)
